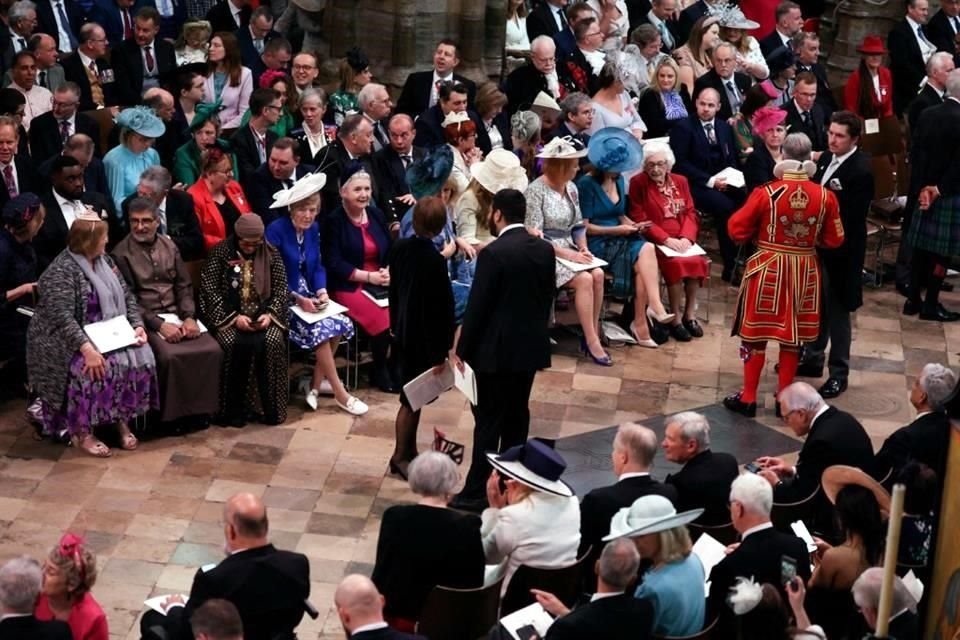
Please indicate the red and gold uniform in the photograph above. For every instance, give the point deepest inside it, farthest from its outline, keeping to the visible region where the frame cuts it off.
(780, 297)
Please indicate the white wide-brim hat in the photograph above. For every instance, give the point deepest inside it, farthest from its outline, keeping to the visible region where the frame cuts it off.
(534, 464)
(501, 169)
(648, 514)
(301, 190)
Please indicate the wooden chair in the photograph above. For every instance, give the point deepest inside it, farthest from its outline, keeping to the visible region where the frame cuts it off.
(884, 219)
(104, 119)
(460, 614)
(722, 533)
(706, 634)
(563, 583)
(193, 268)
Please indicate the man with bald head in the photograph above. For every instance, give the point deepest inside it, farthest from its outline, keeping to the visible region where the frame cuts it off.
(390, 167)
(360, 608)
(267, 585)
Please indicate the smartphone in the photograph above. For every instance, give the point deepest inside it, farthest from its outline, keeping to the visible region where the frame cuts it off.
(788, 569)
(501, 483)
(527, 632)
(752, 467)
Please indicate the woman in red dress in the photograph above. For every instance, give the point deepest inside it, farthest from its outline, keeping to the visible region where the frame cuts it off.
(869, 89)
(663, 201)
(68, 576)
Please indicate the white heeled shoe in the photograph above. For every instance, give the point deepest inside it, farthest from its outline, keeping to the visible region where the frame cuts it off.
(662, 319)
(649, 343)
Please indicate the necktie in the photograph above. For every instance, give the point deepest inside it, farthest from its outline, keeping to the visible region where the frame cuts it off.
(127, 27)
(66, 27)
(288, 183)
(406, 160)
(258, 45)
(42, 79)
(830, 169)
(711, 135)
(665, 35)
(162, 229)
(956, 24)
(563, 19)
(96, 91)
(149, 58)
(8, 179)
(64, 130)
(806, 118)
(23, 44)
(734, 96)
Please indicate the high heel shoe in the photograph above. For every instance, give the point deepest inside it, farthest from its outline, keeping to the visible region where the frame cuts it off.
(605, 361)
(662, 319)
(399, 468)
(649, 343)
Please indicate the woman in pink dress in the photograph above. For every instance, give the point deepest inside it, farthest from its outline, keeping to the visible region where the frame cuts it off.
(68, 576)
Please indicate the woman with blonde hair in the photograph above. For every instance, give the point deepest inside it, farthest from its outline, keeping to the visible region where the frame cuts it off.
(68, 575)
(694, 56)
(665, 101)
(499, 170)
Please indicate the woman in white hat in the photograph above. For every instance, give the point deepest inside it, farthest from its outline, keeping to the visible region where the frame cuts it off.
(460, 132)
(675, 583)
(553, 209)
(733, 29)
(499, 170)
(297, 238)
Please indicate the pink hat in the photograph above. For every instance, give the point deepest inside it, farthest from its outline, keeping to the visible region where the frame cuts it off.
(767, 118)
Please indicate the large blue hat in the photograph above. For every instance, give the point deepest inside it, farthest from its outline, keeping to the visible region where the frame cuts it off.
(426, 176)
(614, 150)
(535, 464)
(142, 120)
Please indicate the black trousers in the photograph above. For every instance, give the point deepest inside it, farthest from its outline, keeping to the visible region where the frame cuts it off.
(502, 416)
(927, 271)
(835, 329)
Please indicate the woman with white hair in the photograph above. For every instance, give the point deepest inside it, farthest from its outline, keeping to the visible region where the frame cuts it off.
(661, 200)
(426, 544)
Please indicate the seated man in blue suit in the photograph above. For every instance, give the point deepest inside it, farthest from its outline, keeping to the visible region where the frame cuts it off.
(704, 146)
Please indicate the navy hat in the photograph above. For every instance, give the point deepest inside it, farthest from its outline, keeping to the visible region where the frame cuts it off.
(426, 176)
(19, 211)
(353, 169)
(614, 150)
(780, 59)
(536, 465)
(357, 59)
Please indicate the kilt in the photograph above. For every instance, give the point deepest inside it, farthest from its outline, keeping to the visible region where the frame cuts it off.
(937, 229)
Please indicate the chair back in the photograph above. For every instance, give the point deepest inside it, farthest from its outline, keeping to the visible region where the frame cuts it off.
(563, 582)
(706, 634)
(460, 614)
(785, 513)
(104, 119)
(193, 268)
(722, 533)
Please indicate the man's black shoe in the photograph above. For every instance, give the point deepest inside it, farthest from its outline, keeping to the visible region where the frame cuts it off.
(940, 315)
(382, 380)
(911, 308)
(693, 328)
(680, 333)
(833, 387)
(735, 404)
(473, 505)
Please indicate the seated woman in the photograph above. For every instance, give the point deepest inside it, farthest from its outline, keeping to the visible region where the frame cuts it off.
(661, 200)
(280, 82)
(79, 387)
(612, 236)
(733, 29)
(768, 135)
(869, 89)
(355, 242)
(205, 131)
(313, 135)
(674, 584)
(68, 575)
(355, 74)
(229, 83)
(461, 135)
(123, 164)
(553, 209)
(517, 41)
(782, 63)
(665, 102)
(548, 110)
(612, 105)
(22, 218)
(424, 545)
(243, 301)
(758, 96)
(191, 47)
(525, 128)
(297, 238)
(218, 199)
(527, 498)
(490, 105)
(694, 56)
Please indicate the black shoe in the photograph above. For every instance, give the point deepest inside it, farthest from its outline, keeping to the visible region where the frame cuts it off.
(940, 315)
(807, 370)
(658, 332)
(777, 411)
(680, 333)
(735, 404)
(832, 388)
(693, 328)
(382, 380)
(911, 308)
(473, 505)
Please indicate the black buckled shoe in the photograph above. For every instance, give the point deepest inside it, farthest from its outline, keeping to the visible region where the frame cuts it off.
(693, 328)
(680, 333)
(939, 315)
(832, 388)
(735, 404)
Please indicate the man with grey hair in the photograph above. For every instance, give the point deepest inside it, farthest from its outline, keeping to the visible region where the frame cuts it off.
(730, 84)
(375, 105)
(576, 118)
(761, 552)
(939, 67)
(634, 448)
(649, 41)
(611, 612)
(704, 481)
(175, 209)
(927, 438)
(20, 580)
(904, 622)
(21, 20)
(542, 73)
(51, 130)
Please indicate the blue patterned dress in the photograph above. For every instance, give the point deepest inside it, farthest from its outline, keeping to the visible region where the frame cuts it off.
(305, 335)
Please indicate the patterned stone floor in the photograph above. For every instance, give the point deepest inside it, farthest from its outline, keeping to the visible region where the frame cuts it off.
(154, 515)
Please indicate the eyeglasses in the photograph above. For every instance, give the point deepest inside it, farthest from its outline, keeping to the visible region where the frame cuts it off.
(60, 103)
(275, 107)
(303, 67)
(660, 164)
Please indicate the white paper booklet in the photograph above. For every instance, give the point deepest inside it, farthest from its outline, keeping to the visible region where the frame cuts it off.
(694, 250)
(711, 552)
(173, 319)
(331, 309)
(110, 335)
(577, 267)
(533, 615)
(466, 382)
(734, 177)
(156, 603)
(427, 387)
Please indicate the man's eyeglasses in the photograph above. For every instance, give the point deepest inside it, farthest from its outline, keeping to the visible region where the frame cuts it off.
(303, 67)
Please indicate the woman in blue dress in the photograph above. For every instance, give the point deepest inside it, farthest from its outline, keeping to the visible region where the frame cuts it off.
(614, 237)
(123, 164)
(297, 239)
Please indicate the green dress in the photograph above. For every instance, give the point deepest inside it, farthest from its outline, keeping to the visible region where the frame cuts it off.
(284, 125)
(186, 162)
(342, 103)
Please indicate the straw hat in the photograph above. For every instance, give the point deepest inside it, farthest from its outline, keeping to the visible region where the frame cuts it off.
(839, 476)
(613, 150)
(301, 190)
(534, 464)
(872, 46)
(501, 169)
(648, 514)
(545, 101)
(565, 148)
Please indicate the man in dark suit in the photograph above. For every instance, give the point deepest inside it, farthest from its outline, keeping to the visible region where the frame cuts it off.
(939, 67)
(50, 131)
(354, 142)
(139, 62)
(275, 57)
(576, 117)
(804, 115)
(229, 15)
(281, 170)
(806, 46)
(703, 145)
(729, 83)
(116, 17)
(360, 609)
(540, 74)
(254, 38)
(178, 218)
(762, 552)
(547, 19)
(789, 23)
(251, 144)
(16, 171)
(944, 26)
(844, 170)
(927, 438)
(564, 39)
(216, 619)
(422, 88)
(90, 70)
(61, 20)
(20, 580)
(583, 64)
(661, 17)
(429, 126)
(612, 613)
(376, 105)
(504, 337)
(80, 146)
(390, 168)
(904, 622)
(909, 51)
(704, 481)
(267, 585)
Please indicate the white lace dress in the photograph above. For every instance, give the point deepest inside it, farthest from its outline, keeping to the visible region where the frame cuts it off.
(556, 215)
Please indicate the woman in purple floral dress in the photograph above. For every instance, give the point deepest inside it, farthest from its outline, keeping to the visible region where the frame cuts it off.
(79, 387)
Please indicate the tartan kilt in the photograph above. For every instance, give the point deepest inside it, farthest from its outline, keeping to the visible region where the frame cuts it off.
(937, 229)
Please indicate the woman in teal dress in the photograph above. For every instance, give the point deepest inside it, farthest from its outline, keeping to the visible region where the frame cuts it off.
(612, 236)
(354, 75)
(123, 164)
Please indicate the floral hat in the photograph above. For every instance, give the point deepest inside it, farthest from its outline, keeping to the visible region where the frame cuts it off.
(141, 120)
(563, 148)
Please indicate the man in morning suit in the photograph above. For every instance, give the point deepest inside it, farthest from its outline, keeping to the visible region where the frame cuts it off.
(280, 171)
(547, 19)
(939, 67)
(354, 142)
(139, 62)
(634, 448)
(703, 144)
(453, 97)
(541, 73)
(229, 15)
(759, 554)
(254, 38)
(612, 614)
(927, 438)
(729, 83)
(16, 171)
(944, 26)
(422, 88)
(661, 17)
(267, 585)
(20, 580)
(251, 144)
(89, 68)
(806, 47)
(804, 114)
(705, 479)
(504, 337)
(844, 170)
(390, 167)
(51, 130)
(61, 20)
(116, 17)
(360, 609)
(909, 51)
(789, 23)
(175, 208)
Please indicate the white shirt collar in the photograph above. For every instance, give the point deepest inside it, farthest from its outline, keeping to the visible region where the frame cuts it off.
(632, 474)
(752, 530)
(784, 38)
(819, 413)
(608, 594)
(67, 207)
(85, 59)
(438, 78)
(705, 123)
(163, 204)
(841, 159)
(913, 24)
(921, 414)
(508, 227)
(373, 626)
(652, 17)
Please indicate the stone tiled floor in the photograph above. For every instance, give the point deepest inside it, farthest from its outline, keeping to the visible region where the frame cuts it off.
(154, 515)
